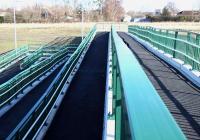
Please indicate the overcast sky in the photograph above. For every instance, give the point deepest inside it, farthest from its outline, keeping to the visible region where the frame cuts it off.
(150, 5)
(136, 5)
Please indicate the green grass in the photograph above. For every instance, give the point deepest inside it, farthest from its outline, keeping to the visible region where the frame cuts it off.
(37, 33)
(43, 33)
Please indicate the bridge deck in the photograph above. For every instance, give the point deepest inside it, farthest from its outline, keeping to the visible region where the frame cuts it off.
(80, 116)
(10, 72)
(179, 95)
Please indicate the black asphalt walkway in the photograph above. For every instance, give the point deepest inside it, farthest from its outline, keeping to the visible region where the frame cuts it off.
(80, 116)
(10, 72)
(180, 96)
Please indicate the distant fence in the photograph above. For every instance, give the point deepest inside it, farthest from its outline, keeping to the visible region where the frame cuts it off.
(102, 27)
(180, 44)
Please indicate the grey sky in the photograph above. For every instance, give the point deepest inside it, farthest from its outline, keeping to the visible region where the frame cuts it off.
(150, 5)
(136, 5)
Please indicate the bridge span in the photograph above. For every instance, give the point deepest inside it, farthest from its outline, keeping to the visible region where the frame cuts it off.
(178, 93)
(124, 83)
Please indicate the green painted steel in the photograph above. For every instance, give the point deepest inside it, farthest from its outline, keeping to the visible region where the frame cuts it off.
(30, 124)
(12, 88)
(12, 55)
(28, 61)
(181, 45)
(32, 58)
(140, 112)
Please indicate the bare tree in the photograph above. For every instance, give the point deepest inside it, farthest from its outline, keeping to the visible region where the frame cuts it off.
(68, 8)
(165, 12)
(113, 10)
(99, 4)
(171, 7)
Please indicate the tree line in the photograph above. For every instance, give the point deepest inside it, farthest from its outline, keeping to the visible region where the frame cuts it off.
(170, 13)
(69, 11)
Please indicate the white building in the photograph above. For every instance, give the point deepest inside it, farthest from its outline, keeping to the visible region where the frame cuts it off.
(127, 18)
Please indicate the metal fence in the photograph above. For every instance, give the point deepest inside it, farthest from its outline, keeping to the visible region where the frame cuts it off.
(102, 27)
(139, 111)
(31, 123)
(179, 44)
(9, 57)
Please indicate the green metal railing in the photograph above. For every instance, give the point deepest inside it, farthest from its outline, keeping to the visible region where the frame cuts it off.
(55, 49)
(30, 124)
(12, 55)
(179, 44)
(140, 113)
(12, 88)
(32, 58)
(40, 51)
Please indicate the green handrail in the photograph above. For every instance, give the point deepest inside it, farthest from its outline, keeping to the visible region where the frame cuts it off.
(40, 51)
(12, 55)
(178, 47)
(11, 88)
(30, 124)
(6, 56)
(140, 113)
(32, 58)
(182, 34)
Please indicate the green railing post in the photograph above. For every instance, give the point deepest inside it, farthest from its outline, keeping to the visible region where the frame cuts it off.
(175, 43)
(118, 116)
(160, 31)
(197, 52)
(198, 39)
(189, 36)
(114, 62)
(167, 32)
(187, 48)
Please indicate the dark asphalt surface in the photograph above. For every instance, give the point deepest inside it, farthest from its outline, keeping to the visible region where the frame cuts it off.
(11, 118)
(180, 96)
(80, 116)
(10, 72)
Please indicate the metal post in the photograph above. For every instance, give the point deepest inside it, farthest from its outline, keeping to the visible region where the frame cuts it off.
(174, 52)
(198, 39)
(15, 31)
(55, 18)
(82, 20)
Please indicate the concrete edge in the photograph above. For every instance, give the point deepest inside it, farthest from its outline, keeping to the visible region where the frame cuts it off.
(108, 126)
